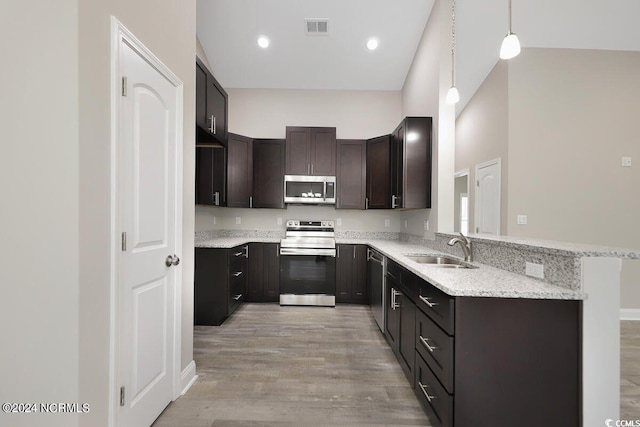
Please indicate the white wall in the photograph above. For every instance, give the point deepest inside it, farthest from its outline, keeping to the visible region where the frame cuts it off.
(39, 215)
(167, 28)
(482, 135)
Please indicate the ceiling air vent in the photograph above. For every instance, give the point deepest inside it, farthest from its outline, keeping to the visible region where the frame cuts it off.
(315, 27)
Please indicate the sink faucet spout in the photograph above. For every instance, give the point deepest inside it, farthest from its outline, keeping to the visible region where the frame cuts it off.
(466, 246)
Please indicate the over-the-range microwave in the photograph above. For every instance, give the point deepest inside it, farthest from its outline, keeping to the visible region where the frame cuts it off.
(307, 189)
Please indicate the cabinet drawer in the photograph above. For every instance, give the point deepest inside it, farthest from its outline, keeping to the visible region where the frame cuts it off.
(436, 348)
(432, 395)
(238, 252)
(437, 305)
(236, 292)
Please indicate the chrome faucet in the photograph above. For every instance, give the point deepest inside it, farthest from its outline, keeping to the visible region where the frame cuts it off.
(466, 245)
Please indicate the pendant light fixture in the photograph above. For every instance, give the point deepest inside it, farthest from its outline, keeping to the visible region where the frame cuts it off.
(452, 95)
(510, 45)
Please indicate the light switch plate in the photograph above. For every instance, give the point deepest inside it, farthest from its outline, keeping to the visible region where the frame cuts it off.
(339, 222)
(522, 219)
(534, 270)
(238, 220)
(387, 222)
(626, 162)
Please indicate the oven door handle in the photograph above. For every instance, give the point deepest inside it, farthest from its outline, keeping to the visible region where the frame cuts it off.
(310, 252)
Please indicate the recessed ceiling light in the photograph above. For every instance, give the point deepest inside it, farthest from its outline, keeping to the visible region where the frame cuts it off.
(372, 43)
(263, 42)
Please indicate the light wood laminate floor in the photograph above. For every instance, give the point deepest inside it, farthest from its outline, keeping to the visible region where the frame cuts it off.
(312, 366)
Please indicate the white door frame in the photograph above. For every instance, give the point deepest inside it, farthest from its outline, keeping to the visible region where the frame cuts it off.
(460, 174)
(120, 34)
(498, 162)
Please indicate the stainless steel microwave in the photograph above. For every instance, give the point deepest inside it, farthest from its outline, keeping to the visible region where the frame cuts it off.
(313, 190)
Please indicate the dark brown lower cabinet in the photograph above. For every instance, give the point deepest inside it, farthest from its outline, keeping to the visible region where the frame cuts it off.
(508, 362)
(264, 272)
(351, 274)
(220, 283)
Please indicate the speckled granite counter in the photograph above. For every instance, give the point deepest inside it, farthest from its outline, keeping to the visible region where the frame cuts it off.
(484, 281)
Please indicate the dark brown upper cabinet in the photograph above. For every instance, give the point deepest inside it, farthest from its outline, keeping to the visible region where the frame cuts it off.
(351, 173)
(239, 171)
(411, 164)
(211, 104)
(211, 163)
(268, 173)
(311, 151)
(378, 170)
(399, 167)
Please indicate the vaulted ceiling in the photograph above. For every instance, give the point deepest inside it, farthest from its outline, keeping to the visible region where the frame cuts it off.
(228, 31)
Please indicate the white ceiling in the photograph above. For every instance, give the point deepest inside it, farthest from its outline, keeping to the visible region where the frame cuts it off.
(228, 30)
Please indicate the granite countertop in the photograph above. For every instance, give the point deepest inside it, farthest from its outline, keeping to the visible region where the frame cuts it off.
(483, 281)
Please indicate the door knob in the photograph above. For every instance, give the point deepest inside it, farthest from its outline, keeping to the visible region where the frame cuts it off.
(172, 260)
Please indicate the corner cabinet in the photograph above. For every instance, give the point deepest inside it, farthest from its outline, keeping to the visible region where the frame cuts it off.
(220, 283)
(211, 104)
(311, 151)
(351, 175)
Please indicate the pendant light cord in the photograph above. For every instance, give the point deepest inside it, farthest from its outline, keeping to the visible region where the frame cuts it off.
(453, 42)
(510, 14)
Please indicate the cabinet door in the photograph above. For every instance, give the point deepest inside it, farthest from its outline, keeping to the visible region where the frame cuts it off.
(392, 326)
(351, 174)
(344, 275)
(268, 173)
(216, 110)
(360, 290)
(271, 272)
(201, 95)
(298, 151)
(240, 171)
(397, 166)
(256, 281)
(323, 151)
(210, 175)
(378, 172)
(211, 283)
(407, 345)
(417, 163)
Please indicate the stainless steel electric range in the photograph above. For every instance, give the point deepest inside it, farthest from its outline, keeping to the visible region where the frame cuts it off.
(308, 264)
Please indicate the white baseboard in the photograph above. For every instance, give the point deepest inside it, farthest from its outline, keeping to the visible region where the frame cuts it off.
(630, 314)
(188, 377)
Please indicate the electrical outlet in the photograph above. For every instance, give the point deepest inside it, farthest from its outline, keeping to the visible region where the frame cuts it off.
(626, 162)
(339, 222)
(387, 222)
(238, 220)
(279, 220)
(534, 270)
(426, 225)
(215, 220)
(406, 223)
(522, 219)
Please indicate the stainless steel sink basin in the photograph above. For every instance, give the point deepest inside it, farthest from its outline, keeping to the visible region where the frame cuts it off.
(439, 261)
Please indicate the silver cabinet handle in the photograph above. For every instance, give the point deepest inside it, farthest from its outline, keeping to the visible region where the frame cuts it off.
(354, 251)
(366, 203)
(393, 202)
(237, 274)
(426, 344)
(250, 201)
(324, 187)
(424, 391)
(338, 251)
(214, 125)
(426, 301)
(216, 198)
(394, 302)
(171, 260)
(237, 297)
(211, 128)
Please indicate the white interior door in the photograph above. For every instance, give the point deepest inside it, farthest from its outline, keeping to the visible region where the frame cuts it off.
(488, 197)
(147, 171)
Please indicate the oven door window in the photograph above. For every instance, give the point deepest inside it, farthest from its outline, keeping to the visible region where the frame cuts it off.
(307, 274)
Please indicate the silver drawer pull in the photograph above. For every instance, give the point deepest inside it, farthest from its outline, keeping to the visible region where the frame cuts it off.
(424, 390)
(429, 303)
(237, 274)
(238, 253)
(237, 297)
(426, 344)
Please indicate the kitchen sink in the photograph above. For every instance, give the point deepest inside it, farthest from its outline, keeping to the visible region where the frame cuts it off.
(439, 261)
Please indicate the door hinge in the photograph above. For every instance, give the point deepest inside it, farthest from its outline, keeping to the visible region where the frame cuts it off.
(122, 396)
(124, 86)
(124, 241)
